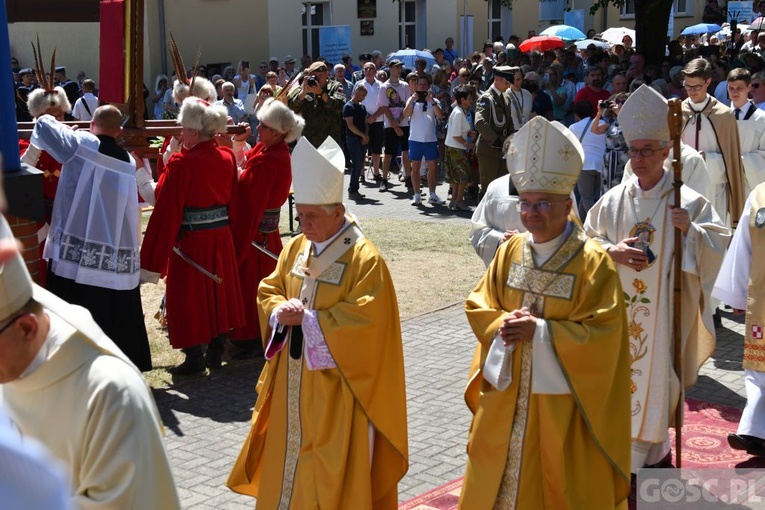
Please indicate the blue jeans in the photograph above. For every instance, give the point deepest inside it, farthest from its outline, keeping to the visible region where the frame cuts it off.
(356, 151)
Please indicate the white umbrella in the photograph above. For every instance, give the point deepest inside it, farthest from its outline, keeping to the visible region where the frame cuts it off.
(616, 34)
(582, 45)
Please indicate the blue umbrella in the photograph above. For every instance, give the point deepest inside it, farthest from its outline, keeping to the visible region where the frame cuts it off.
(701, 28)
(409, 56)
(565, 32)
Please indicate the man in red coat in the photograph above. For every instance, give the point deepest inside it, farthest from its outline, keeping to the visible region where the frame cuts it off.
(264, 186)
(189, 239)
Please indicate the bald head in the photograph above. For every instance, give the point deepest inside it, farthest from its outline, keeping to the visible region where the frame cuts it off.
(107, 120)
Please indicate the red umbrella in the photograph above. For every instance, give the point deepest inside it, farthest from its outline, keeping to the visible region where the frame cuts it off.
(541, 43)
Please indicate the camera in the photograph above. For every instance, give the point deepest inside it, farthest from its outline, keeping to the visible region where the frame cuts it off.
(606, 104)
(311, 81)
(421, 96)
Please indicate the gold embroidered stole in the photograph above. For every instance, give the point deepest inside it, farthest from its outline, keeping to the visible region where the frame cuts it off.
(754, 345)
(648, 303)
(536, 284)
(322, 268)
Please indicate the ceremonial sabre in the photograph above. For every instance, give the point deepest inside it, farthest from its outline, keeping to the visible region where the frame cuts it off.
(675, 120)
(217, 279)
(266, 251)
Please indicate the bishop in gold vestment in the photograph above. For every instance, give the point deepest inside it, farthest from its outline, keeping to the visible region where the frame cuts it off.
(329, 427)
(551, 409)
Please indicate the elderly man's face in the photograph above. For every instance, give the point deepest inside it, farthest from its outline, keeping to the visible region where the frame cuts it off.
(340, 74)
(17, 347)
(544, 214)
(619, 84)
(317, 223)
(228, 92)
(647, 159)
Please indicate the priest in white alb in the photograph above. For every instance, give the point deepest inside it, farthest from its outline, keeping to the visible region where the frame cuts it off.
(741, 284)
(636, 223)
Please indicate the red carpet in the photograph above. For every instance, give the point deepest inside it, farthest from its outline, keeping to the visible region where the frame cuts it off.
(705, 445)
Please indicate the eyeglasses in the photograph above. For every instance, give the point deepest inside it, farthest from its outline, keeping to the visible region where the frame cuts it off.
(10, 323)
(644, 152)
(542, 206)
(693, 88)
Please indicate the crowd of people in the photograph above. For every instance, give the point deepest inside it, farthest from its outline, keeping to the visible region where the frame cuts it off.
(570, 152)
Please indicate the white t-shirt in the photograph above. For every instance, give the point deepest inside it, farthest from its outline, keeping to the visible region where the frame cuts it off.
(241, 92)
(370, 102)
(422, 124)
(594, 145)
(79, 111)
(394, 97)
(458, 126)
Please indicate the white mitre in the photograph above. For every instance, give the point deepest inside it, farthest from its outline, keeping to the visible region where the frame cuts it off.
(643, 116)
(317, 174)
(544, 157)
(15, 282)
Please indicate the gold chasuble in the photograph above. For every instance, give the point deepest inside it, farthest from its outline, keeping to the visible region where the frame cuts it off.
(754, 345)
(333, 438)
(534, 451)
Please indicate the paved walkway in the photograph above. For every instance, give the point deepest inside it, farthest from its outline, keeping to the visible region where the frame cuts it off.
(207, 418)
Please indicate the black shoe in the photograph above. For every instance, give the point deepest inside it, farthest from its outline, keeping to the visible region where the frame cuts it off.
(192, 365)
(753, 445)
(717, 319)
(408, 182)
(383, 185)
(355, 195)
(378, 177)
(214, 354)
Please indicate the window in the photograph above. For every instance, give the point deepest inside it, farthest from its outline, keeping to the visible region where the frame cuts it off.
(314, 15)
(499, 20)
(683, 7)
(627, 9)
(407, 23)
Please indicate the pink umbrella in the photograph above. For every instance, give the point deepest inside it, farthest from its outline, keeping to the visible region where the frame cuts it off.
(541, 43)
(757, 24)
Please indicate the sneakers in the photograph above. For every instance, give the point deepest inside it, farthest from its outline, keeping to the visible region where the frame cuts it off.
(417, 200)
(435, 200)
(383, 185)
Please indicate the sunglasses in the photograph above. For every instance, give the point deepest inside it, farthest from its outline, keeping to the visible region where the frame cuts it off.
(756, 85)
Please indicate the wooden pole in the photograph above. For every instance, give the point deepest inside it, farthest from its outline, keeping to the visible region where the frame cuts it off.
(675, 120)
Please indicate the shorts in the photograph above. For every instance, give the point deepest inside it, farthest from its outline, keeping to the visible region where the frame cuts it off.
(393, 142)
(457, 165)
(376, 138)
(419, 149)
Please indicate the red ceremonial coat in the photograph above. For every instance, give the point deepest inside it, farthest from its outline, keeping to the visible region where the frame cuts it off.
(51, 170)
(264, 185)
(198, 309)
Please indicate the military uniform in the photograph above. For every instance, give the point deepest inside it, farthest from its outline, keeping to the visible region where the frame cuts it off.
(322, 118)
(494, 124)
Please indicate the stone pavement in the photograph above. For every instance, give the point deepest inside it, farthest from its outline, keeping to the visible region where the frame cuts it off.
(207, 418)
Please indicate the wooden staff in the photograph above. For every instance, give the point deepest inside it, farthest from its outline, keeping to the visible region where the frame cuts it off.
(282, 95)
(675, 120)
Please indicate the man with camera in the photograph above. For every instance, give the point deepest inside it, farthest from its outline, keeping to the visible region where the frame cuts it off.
(423, 111)
(494, 123)
(320, 102)
(593, 92)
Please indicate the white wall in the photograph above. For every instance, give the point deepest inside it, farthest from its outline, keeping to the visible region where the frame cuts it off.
(76, 45)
